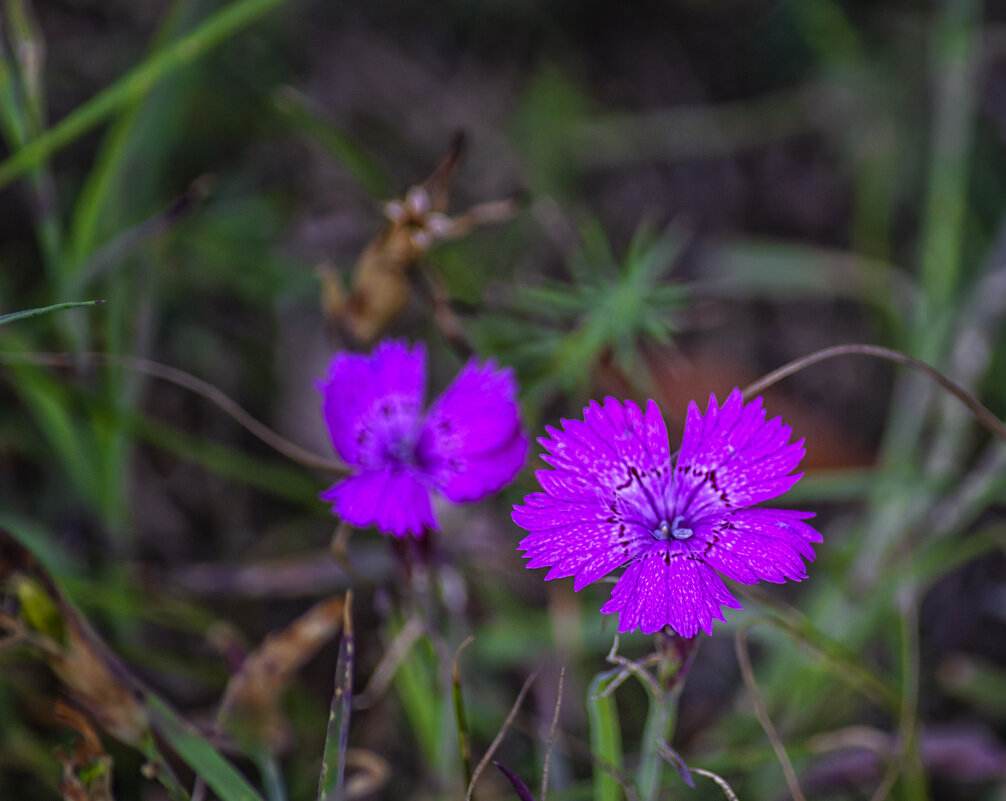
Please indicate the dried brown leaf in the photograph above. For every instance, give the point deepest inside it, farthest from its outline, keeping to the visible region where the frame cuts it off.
(87, 768)
(94, 676)
(380, 288)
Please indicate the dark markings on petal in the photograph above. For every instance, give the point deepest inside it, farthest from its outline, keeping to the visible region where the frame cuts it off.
(628, 483)
(711, 478)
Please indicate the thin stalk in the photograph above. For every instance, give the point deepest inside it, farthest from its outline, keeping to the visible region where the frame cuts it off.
(551, 734)
(982, 413)
(501, 734)
(761, 712)
(188, 381)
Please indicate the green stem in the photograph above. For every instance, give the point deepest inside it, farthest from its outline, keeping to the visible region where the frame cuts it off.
(605, 736)
(659, 723)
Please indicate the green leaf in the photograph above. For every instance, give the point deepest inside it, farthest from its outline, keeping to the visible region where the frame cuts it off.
(198, 754)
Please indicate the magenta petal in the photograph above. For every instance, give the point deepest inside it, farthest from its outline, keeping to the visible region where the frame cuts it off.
(668, 587)
(472, 442)
(395, 503)
(575, 539)
(752, 545)
(480, 474)
(616, 451)
(368, 401)
(731, 458)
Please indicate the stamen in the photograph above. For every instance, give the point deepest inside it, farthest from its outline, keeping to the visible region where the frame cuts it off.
(678, 531)
(663, 531)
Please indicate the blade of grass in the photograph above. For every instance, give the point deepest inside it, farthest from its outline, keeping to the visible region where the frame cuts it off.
(136, 83)
(333, 766)
(29, 49)
(605, 735)
(49, 404)
(464, 738)
(23, 315)
(17, 126)
(84, 225)
(159, 768)
(198, 754)
(955, 62)
(300, 113)
(272, 776)
(415, 686)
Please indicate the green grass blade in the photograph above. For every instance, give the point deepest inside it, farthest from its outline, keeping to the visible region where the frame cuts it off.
(23, 315)
(299, 112)
(29, 48)
(136, 83)
(415, 685)
(49, 404)
(605, 736)
(333, 765)
(460, 718)
(198, 754)
(93, 198)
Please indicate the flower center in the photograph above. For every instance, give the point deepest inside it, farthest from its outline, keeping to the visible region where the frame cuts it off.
(674, 529)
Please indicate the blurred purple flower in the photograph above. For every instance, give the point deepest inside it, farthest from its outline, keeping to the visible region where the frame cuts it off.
(614, 499)
(468, 444)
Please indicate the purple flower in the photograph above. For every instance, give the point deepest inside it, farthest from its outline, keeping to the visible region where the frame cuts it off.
(614, 499)
(468, 444)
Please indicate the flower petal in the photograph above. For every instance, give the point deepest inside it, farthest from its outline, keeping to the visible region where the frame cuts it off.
(576, 539)
(472, 442)
(604, 496)
(751, 545)
(668, 586)
(731, 458)
(395, 502)
(369, 402)
(617, 451)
